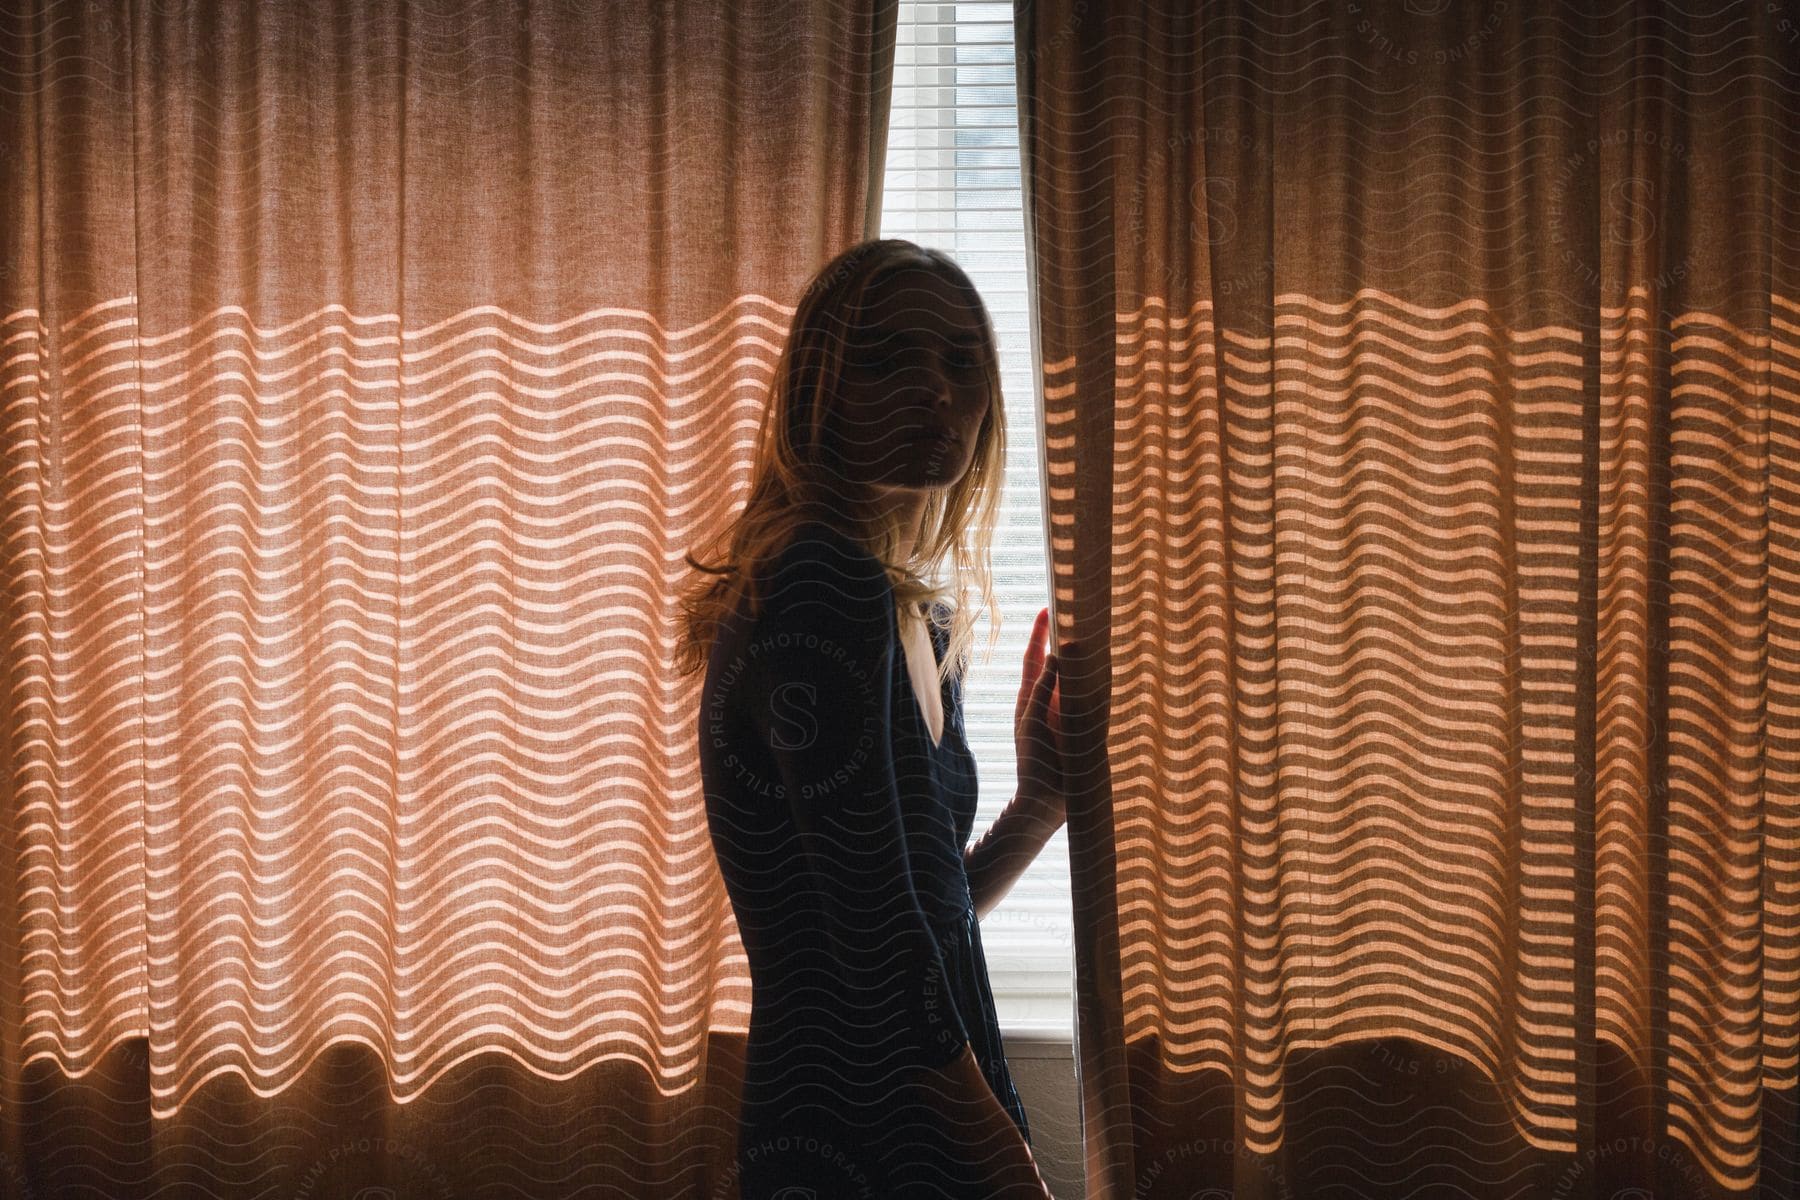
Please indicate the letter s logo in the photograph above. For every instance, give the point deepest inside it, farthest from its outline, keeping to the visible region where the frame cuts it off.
(1215, 198)
(793, 716)
(1631, 211)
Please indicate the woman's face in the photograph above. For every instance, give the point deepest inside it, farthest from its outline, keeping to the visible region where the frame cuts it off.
(914, 389)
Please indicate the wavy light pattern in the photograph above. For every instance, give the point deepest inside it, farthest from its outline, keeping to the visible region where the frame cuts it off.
(346, 584)
(1422, 414)
(366, 371)
(1407, 812)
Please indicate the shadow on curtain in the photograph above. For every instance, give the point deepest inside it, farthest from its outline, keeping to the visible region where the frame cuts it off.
(367, 369)
(1422, 388)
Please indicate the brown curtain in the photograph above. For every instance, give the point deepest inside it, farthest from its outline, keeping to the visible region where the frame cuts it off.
(365, 371)
(1422, 413)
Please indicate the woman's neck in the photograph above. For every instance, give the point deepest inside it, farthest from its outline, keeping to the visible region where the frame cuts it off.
(905, 507)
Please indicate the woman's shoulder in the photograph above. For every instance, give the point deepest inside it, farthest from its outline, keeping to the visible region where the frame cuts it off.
(819, 556)
(822, 584)
(819, 539)
(821, 580)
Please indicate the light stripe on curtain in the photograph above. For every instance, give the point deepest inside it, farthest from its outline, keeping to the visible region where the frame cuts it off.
(1422, 389)
(365, 372)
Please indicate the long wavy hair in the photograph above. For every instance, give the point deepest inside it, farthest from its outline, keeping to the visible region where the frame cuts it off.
(796, 477)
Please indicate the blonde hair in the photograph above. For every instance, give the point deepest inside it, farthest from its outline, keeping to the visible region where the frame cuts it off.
(795, 478)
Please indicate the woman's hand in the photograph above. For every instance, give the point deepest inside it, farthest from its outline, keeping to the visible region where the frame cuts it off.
(1037, 731)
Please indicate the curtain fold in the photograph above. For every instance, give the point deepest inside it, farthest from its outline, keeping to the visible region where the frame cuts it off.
(1422, 424)
(365, 372)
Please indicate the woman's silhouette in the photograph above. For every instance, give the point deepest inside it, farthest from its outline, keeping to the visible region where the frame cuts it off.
(840, 793)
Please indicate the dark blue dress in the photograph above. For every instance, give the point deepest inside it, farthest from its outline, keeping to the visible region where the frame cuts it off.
(839, 828)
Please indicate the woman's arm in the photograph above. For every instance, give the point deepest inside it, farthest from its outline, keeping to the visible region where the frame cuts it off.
(1040, 806)
(996, 859)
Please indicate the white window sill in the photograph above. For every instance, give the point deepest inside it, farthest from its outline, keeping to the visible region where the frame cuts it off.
(1034, 1042)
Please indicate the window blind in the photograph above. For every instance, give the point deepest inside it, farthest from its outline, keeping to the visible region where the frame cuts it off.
(951, 182)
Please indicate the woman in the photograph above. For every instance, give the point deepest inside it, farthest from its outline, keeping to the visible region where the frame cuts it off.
(840, 793)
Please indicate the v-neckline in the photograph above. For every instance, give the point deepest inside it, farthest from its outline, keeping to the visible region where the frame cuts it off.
(906, 674)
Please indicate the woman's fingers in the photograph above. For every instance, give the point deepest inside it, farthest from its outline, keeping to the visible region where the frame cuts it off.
(1040, 692)
(1034, 648)
(1032, 665)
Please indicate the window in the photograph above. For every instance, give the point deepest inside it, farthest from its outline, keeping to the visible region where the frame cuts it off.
(951, 182)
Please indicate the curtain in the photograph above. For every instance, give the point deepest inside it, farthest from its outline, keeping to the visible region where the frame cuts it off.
(1422, 418)
(365, 371)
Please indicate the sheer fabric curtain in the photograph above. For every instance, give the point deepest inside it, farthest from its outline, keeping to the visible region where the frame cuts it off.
(1422, 418)
(365, 371)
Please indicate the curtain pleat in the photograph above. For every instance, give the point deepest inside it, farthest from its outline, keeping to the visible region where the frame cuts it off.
(365, 372)
(1422, 427)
